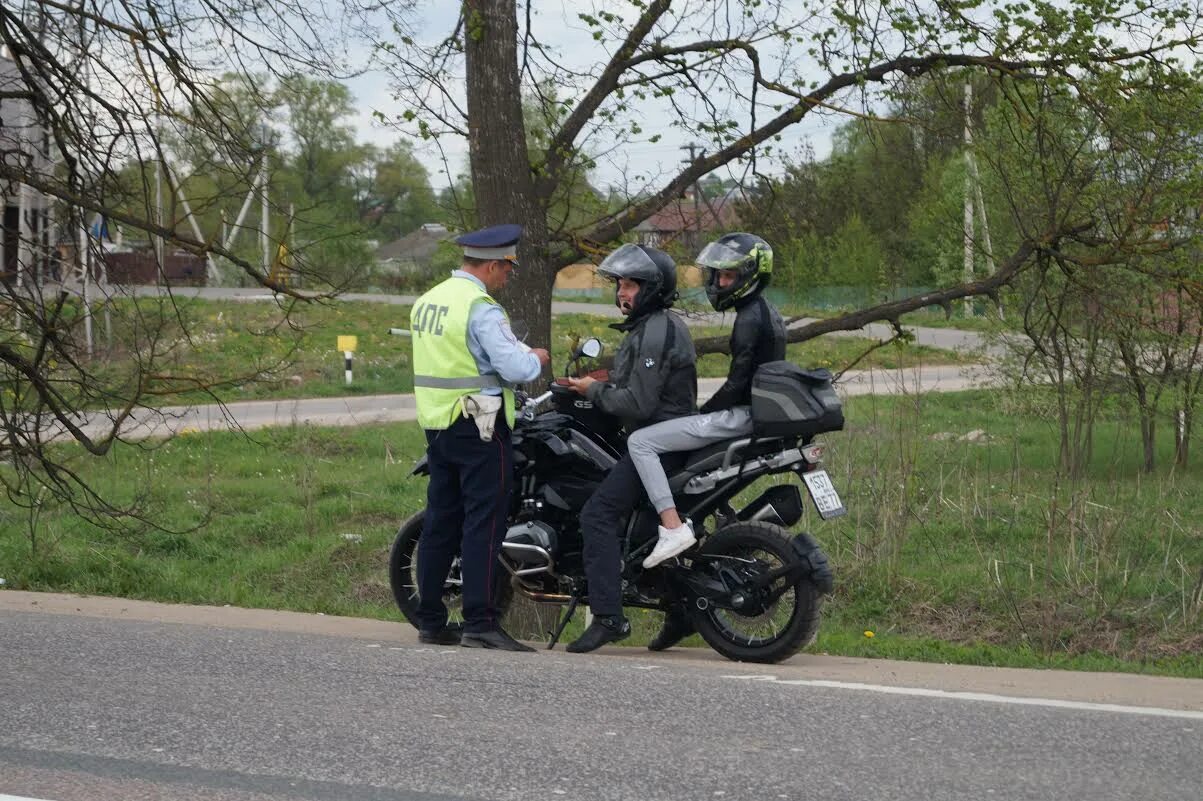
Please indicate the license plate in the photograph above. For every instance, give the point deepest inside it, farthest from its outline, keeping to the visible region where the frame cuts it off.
(823, 493)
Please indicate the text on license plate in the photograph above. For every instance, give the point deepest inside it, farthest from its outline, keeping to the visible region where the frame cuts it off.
(823, 493)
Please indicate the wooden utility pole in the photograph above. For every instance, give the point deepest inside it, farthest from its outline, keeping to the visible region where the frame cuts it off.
(973, 192)
(697, 193)
(968, 216)
(264, 228)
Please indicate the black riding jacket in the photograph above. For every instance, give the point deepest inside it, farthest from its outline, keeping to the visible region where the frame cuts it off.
(654, 377)
(758, 337)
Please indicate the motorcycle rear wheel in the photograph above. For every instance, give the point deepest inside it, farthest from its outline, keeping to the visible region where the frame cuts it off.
(403, 576)
(780, 628)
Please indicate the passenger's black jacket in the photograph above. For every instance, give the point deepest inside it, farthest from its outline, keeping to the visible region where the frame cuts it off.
(654, 377)
(758, 337)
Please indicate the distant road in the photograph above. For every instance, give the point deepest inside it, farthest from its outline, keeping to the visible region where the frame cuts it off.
(106, 699)
(947, 338)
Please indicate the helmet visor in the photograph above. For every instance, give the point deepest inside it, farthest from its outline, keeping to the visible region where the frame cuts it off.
(629, 261)
(716, 256)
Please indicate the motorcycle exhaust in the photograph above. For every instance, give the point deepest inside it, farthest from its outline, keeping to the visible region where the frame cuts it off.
(543, 597)
(780, 504)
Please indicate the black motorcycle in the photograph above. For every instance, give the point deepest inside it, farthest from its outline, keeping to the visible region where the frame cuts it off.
(754, 589)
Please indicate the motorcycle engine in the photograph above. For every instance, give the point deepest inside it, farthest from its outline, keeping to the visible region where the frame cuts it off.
(530, 545)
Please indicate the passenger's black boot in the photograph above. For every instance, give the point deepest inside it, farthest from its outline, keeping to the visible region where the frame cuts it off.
(677, 626)
(603, 629)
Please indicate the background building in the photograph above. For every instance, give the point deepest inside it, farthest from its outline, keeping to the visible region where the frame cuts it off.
(26, 245)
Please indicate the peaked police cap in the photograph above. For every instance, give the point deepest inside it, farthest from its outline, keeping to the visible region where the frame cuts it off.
(495, 242)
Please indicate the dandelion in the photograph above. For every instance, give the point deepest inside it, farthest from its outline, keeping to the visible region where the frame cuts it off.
(869, 634)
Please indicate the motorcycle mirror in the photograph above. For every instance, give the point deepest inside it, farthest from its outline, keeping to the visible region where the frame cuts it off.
(591, 348)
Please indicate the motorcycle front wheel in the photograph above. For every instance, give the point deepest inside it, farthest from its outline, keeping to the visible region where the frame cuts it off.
(403, 577)
(777, 621)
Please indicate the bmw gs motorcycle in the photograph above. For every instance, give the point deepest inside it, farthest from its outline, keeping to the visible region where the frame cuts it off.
(753, 589)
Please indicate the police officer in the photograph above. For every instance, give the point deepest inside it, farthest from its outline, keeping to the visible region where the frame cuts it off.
(466, 359)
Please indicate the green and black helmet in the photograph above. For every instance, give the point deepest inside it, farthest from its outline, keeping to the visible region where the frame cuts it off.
(747, 254)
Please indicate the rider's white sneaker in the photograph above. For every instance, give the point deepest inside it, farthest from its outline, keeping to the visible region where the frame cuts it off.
(672, 541)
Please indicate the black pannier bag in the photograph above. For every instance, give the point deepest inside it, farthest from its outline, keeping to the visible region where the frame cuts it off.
(788, 401)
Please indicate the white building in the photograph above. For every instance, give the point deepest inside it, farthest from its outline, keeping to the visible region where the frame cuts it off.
(26, 232)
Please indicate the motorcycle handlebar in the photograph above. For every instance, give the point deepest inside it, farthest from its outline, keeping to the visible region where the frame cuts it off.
(535, 401)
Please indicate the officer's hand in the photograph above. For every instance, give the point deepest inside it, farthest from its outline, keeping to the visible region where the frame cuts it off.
(544, 356)
(581, 385)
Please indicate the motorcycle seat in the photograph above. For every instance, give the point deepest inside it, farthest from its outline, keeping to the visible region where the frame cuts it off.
(712, 457)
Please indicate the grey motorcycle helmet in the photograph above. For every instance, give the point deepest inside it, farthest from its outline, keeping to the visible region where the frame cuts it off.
(655, 271)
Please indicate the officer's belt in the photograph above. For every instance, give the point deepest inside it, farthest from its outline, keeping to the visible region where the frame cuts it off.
(475, 382)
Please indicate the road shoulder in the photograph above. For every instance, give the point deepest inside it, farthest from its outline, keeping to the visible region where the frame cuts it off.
(1122, 689)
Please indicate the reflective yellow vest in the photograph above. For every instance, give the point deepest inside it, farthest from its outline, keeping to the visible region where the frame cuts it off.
(444, 369)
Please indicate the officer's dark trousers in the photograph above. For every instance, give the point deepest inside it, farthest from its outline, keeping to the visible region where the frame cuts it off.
(467, 502)
(603, 522)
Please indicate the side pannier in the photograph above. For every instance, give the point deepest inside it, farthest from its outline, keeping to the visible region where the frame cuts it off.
(788, 401)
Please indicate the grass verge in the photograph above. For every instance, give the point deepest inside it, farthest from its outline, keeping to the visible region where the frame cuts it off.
(251, 350)
(955, 550)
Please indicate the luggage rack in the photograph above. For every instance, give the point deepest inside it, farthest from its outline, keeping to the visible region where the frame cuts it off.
(729, 468)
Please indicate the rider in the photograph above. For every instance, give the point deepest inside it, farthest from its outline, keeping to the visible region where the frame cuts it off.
(738, 268)
(654, 378)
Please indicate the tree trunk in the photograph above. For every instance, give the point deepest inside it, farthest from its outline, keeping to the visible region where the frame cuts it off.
(501, 174)
(1148, 439)
(1182, 432)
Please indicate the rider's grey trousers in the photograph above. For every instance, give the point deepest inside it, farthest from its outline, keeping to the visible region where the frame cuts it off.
(681, 434)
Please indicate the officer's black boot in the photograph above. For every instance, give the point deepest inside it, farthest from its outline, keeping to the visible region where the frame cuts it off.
(449, 634)
(497, 640)
(677, 626)
(603, 629)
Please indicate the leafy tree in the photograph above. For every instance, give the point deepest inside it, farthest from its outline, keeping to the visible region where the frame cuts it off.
(735, 76)
(112, 106)
(323, 148)
(936, 234)
(855, 257)
(393, 192)
(1115, 308)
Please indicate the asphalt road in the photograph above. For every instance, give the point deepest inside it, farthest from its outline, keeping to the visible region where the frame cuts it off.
(373, 409)
(121, 701)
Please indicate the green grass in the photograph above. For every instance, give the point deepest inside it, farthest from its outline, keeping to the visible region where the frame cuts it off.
(952, 551)
(251, 350)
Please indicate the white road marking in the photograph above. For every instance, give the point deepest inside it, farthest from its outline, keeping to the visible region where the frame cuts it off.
(956, 695)
(18, 798)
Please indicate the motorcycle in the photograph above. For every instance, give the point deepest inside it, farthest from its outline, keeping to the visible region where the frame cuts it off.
(753, 589)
